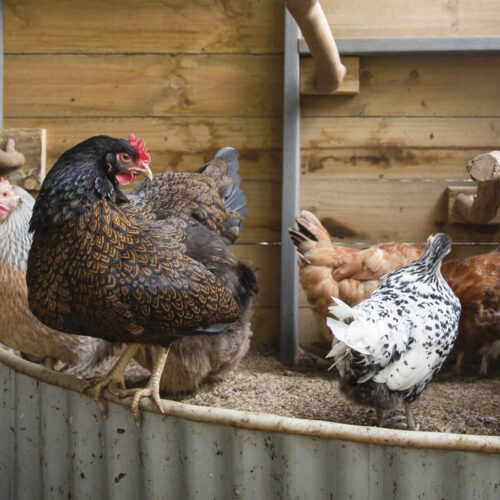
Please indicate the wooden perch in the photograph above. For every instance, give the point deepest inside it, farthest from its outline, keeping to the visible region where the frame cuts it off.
(482, 207)
(10, 158)
(312, 22)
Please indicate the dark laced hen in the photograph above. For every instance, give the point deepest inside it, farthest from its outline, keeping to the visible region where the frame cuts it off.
(146, 268)
(388, 347)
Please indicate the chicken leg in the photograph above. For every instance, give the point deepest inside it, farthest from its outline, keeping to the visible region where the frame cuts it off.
(152, 388)
(113, 378)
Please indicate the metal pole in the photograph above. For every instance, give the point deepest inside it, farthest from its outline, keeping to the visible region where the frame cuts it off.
(290, 197)
(1, 63)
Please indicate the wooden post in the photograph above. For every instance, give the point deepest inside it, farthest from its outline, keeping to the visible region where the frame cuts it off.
(314, 26)
(481, 208)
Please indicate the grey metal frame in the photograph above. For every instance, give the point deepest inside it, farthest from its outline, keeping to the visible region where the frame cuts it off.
(289, 314)
(291, 142)
(400, 45)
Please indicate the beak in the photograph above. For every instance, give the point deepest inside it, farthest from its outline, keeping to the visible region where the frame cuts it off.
(143, 169)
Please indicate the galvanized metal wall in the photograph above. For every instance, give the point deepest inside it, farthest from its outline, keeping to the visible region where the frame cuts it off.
(55, 444)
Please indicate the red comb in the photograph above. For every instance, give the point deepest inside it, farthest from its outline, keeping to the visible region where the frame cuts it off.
(140, 146)
(4, 181)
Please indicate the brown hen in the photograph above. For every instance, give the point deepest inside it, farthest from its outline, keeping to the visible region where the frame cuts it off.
(327, 270)
(148, 268)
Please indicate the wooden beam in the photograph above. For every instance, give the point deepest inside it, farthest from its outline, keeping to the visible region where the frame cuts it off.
(349, 85)
(414, 45)
(481, 205)
(330, 71)
(290, 194)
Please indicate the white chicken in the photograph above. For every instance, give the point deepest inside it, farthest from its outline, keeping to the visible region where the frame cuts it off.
(388, 347)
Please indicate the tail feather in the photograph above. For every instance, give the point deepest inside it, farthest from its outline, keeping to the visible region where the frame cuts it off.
(223, 169)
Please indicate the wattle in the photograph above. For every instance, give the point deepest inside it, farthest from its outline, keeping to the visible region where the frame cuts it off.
(125, 178)
(3, 211)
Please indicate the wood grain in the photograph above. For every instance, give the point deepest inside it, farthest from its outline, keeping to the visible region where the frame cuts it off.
(388, 210)
(383, 18)
(349, 86)
(418, 86)
(412, 132)
(265, 325)
(178, 144)
(143, 85)
(143, 26)
(386, 162)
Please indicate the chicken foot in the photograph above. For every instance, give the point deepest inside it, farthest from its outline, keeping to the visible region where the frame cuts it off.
(152, 388)
(410, 421)
(113, 379)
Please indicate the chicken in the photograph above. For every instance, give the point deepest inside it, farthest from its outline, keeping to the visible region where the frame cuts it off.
(476, 282)
(388, 347)
(142, 269)
(327, 270)
(20, 329)
(205, 358)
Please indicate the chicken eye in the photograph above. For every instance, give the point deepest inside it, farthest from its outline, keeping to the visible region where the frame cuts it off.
(124, 157)
(5, 194)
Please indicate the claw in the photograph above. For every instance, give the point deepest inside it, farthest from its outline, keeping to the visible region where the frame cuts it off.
(112, 379)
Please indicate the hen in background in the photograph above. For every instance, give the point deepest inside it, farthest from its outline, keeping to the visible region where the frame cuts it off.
(327, 270)
(20, 330)
(205, 358)
(149, 268)
(476, 282)
(388, 347)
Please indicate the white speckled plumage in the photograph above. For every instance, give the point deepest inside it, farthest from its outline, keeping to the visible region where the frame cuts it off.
(19, 329)
(388, 347)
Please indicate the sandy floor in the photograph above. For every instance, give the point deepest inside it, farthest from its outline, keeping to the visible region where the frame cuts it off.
(467, 404)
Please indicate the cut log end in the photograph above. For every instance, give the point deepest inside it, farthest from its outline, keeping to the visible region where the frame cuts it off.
(482, 207)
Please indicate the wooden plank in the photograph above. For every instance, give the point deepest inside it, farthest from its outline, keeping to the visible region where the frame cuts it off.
(312, 329)
(178, 144)
(143, 85)
(31, 143)
(349, 86)
(411, 46)
(386, 18)
(421, 132)
(265, 325)
(265, 260)
(386, 162)
(388, 210)
(418, 86)
(137, 26)
(263, 189)
(454, 216)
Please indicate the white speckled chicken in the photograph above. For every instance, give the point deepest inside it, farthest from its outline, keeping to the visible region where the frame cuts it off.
(388, 347)
(20, 330)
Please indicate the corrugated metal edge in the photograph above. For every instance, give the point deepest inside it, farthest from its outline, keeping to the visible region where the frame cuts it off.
(273, 423)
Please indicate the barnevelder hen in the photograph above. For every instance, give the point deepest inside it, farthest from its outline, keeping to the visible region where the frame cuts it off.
(144, 269)
(388, 347)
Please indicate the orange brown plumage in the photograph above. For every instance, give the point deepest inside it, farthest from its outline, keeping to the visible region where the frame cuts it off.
(327, 270)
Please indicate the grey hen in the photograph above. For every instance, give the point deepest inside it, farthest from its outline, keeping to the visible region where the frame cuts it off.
(388, 347)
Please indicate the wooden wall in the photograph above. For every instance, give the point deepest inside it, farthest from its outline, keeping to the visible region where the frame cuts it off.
(375, 166)
(191, 76)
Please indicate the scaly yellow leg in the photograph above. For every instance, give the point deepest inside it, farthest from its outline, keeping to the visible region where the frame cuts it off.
(152, 388)
(113, 378)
